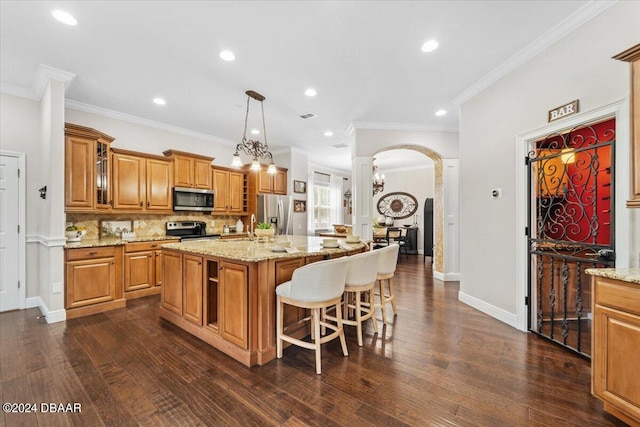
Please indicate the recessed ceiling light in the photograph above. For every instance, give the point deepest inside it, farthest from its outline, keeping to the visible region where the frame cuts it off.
(227, 55)
(441, 112)
(310, 92)
(255, 132)
(159, 101)
(328, 133)
(429, 46)
(64, 17)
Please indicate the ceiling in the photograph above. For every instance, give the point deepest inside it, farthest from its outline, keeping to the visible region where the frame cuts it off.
(363, 58)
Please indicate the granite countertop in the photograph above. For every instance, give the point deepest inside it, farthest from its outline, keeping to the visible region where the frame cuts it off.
(114, 241)
(254, 251)
(631, 275)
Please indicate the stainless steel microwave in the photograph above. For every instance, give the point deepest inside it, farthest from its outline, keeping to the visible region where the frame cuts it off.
(192, 199)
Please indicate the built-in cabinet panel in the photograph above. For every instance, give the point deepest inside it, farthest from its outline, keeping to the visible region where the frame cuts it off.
(632, 56)
(616, 347)
(87, 169)
(172, 282)
(138, 270)
(159, 178)
(192, 288)
(190, 170)
(234, 303)
(129, 186)
(93, 280)
(284, 271)
(230, 194)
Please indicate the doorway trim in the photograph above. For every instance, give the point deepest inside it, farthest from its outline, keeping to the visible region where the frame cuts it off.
(22, 241)
(618, 110)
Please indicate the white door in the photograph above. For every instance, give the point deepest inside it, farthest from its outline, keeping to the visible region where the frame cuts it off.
(9, 250)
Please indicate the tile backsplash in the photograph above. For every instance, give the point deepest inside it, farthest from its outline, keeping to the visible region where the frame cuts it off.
(147, 225)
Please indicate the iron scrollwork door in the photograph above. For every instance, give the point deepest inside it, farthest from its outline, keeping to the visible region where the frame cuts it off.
(571, 228)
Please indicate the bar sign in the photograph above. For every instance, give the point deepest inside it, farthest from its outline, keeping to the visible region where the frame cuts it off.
(563, 111)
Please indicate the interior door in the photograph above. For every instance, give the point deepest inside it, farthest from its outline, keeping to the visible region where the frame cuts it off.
(571, 228)
(9, 220)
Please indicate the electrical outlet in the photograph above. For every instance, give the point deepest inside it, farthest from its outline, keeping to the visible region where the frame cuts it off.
(56, 288)
(496, 192)
(136, 224)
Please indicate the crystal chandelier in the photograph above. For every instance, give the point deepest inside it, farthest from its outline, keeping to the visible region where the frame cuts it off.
(378, 180)
(254, 148)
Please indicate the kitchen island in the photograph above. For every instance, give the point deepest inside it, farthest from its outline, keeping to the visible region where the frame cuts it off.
(223, 291)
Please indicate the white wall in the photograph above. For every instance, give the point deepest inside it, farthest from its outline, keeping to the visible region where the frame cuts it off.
(577, 67)
(419, 182)
(370, 141)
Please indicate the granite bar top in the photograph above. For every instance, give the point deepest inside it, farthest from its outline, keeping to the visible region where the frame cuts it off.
(114, 241)
(631, 275)
(255, 251)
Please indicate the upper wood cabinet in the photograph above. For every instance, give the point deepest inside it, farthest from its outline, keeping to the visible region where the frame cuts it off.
(87, 169)
(632, 56)
(141, 182)
(190, 170)
(229, 187)
(271, 184)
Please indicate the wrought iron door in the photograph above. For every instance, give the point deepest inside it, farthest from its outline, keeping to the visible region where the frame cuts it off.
(571, 228)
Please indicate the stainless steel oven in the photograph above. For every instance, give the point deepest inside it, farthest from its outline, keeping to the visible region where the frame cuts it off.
(192, 199)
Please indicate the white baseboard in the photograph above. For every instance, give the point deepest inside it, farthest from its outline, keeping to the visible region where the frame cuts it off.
(446, 277)
(51, 316)
(504, 316)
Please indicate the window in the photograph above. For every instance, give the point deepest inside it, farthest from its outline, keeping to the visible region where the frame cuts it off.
(321, 201)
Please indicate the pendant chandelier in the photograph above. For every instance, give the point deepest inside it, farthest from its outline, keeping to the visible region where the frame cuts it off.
(254, 148)
(378, 180)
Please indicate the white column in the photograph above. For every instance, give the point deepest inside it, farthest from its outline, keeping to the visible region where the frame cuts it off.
(362, 189)
(451, 226)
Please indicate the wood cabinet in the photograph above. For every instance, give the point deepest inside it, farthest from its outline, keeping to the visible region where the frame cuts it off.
(234, 303)
(192, 278)
(632, 56)
(143, 268)
(616, 347)
(190, 170)
(230, 191)
(141, 182)
(272, 184)
(87, 169)
(172, 282)
(93, 280)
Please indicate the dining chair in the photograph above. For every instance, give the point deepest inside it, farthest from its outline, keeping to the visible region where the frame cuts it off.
(314, 286)
(362, 274)
(387, 262)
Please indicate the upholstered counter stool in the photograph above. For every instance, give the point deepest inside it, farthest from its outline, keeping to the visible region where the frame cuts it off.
(387, 261)
(361, 279)
(314, 286)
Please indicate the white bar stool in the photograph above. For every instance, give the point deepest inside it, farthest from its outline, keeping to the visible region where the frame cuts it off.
(314, 286)
(387, 262)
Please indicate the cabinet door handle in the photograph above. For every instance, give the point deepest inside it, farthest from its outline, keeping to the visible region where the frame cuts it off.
(93, 253)
(154, 246)
(113, 262)
(199, 263)
(148, 204)
(140, 204)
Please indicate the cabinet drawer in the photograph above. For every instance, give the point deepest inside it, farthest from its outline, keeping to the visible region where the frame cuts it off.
(146, 246)
(618, 294)
(91, 253)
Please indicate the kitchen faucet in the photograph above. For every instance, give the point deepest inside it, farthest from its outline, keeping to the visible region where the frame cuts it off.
(251, 222)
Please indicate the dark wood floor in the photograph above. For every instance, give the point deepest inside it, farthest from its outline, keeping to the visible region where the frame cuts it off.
(439, 363)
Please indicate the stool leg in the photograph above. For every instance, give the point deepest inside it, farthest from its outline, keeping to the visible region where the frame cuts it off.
(359, 317)
(382, 301)
(392, 296)
(279, 315)
(316, 327)
(343, 341)
(373, 308)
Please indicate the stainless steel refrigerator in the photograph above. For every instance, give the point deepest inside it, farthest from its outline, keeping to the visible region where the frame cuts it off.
(276, 210)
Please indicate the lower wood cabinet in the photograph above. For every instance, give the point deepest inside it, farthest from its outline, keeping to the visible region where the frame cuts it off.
(234, 303)
(192, 288)
(143, 268)
(616, 347)
(172, 282)
(93, 280)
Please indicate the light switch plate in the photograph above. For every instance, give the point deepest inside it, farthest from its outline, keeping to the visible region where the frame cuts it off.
(56, 288)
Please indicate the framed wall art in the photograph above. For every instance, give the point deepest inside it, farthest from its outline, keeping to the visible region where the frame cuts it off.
(299, 186)
(299, 205)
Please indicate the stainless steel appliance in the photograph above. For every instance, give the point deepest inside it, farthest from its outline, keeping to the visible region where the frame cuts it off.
(192, 199)
(189, 230)
(276, 210)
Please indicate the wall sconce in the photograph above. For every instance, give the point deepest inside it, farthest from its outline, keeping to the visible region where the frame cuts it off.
(43, 192)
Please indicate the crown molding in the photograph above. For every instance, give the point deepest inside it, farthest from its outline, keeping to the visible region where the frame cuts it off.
(75, 105)
(45, 73)
(562, 29)
(17, 91)
(402, 127)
